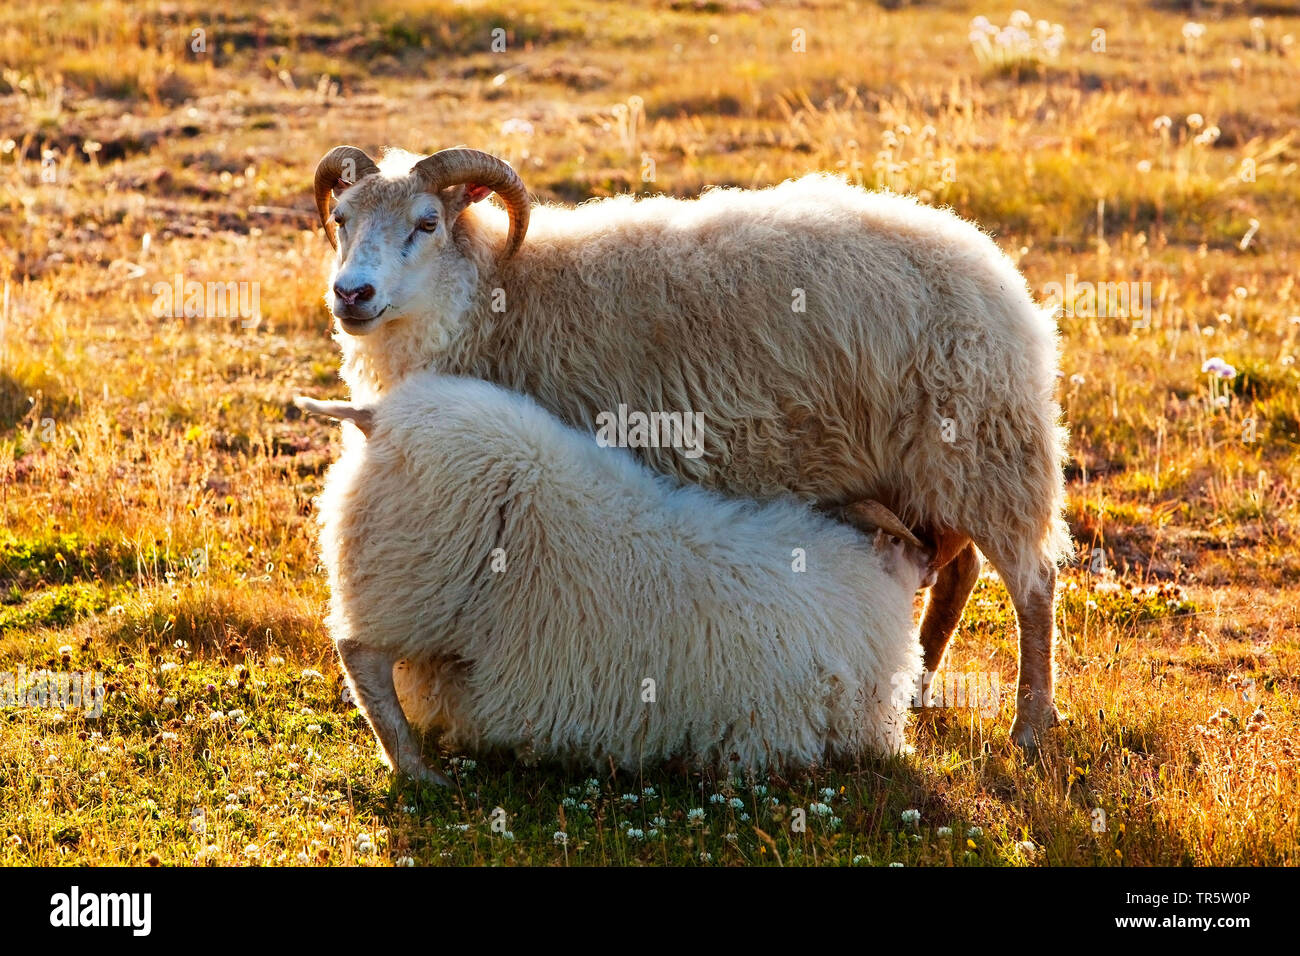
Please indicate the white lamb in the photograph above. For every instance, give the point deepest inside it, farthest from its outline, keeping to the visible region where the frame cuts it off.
(583, 608)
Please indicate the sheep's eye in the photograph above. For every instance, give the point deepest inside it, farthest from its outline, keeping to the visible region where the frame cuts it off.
(428, 224)
(339, 222)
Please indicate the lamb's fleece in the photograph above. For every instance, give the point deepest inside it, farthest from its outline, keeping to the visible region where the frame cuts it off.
(614, 577)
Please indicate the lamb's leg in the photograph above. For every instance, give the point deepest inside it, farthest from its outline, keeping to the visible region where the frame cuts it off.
(1035, 602)
(948, 597)
(370, 672)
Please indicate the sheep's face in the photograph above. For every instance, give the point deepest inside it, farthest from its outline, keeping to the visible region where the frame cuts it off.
(397, 257)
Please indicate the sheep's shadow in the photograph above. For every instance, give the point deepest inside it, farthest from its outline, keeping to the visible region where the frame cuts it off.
(963, 773)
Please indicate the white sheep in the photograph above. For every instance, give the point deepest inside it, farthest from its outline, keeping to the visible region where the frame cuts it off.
(583, 608)
(842, 345)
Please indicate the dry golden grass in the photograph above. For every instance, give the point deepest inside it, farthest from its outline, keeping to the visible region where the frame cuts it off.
(156, 486)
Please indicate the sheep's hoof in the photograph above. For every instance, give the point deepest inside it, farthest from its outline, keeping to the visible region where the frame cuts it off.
(429, 775)
(1028, 729)
(422, 773)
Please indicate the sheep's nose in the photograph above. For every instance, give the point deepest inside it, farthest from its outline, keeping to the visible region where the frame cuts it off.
(362, 293)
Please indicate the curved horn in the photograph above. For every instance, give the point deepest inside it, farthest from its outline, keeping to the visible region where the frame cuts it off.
(347, 164)
(451, 167)
(872, 514)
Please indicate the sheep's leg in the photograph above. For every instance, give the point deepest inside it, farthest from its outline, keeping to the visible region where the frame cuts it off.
(956, 579)
(370, 672)
(1035, 602)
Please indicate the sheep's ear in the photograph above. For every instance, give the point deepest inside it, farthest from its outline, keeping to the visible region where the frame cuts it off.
(363, 418)
(868, 516)
(457, 198)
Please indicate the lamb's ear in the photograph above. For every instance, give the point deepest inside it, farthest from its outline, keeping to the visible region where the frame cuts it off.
(363, 418)
(455, 199)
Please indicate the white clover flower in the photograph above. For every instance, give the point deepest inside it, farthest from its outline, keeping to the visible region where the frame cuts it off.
(216, 717)
(859, 859)
(911, 817)
(326, 828)
(313, 728)
(207, 853)
(276, 661)
(1162, 122)
(303, 858)
(252, 851)
(717, 798)
(170, 701)
(508, 835)
(1217, 366)
(974, 833)
(1195, 120)
(630, 798)
(634, 833)
(516, 127)
(568, 803)
(1193, 31)
(310, 674)
(695, 815)
(744, 818)
(1144, 166)
(168, 735)
(405, 861)
(168, 666)
(828, 793)
(943, 832)
(736, 803)
(819, 809)
(649, 792)
(1027, 847)
(895, 864)
(560, 838)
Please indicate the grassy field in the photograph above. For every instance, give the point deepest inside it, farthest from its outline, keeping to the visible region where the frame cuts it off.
(156, 484)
